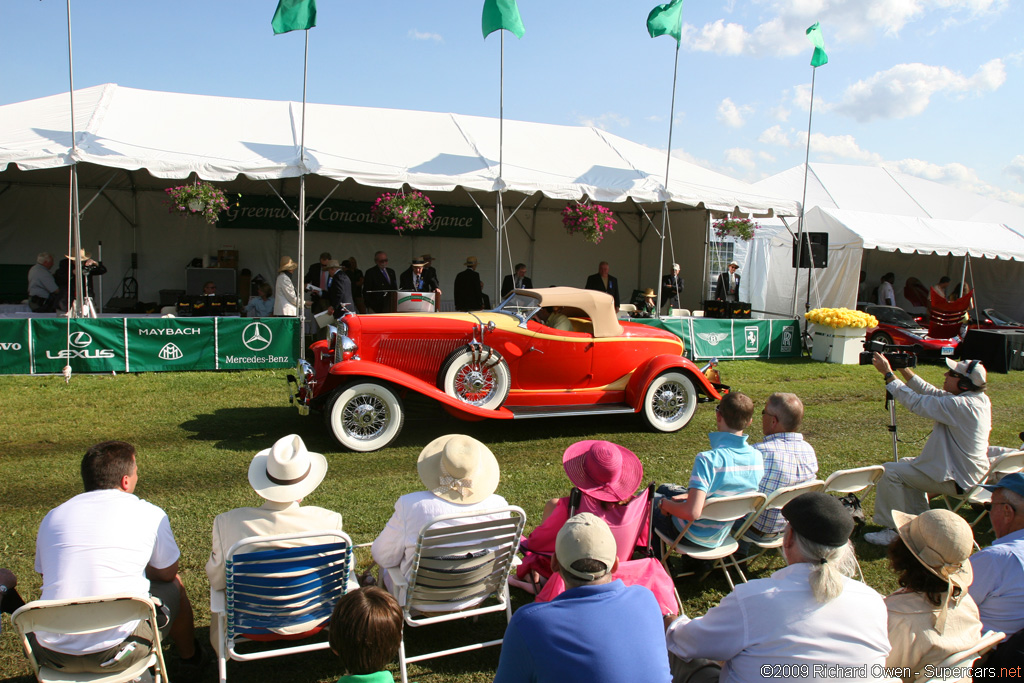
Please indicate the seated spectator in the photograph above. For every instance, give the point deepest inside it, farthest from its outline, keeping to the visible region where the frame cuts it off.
(788, 459)
(557, 320)
(810, 612)
(9, 598)
(209, 288)
(269, 473)
(460, 475)
(261, 306)
(597, 630)
(645, 304)
(106, 541)
(998, 586)
(931, 616)
(731, 467)
(365, 633)
(42, 288)
(607, 476)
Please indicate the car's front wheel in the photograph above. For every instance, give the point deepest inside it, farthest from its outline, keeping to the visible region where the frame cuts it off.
(670, 402)
(882, 337)
(365, 416)
(480, 378)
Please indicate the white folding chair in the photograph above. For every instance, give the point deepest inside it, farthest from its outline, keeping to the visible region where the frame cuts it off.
(679, 312)
(976, 495)
(80, 616)
(955, 666)
(855, 480)
(776, 501)
(291, 586)
(459, 559)
(627, 308)
(721, 509)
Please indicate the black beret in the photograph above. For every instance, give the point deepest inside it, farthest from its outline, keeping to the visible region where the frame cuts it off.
(820, 518)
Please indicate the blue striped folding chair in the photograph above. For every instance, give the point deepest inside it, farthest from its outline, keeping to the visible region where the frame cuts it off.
(278, 593)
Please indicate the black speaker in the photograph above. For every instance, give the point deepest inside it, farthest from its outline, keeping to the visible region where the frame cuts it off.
(998, 350)
(818, 249)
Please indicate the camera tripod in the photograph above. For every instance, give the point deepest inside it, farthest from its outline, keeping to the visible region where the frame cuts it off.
(890, 405)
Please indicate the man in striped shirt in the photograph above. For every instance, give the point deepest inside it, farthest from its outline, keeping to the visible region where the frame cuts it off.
(731, 467)
(788, 459)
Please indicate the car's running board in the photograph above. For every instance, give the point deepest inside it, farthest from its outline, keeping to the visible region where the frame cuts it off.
(525, 412)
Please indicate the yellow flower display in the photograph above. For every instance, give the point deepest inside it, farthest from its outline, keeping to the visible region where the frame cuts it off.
(841, 317)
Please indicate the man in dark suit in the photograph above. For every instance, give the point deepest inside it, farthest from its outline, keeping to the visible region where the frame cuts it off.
(339, 291)
(318, 276)
(516, 281)
(468, 288)
(417, 279)
(728, 286)
(428, 270)
(671, 288)
(377, 282)
(601, 281)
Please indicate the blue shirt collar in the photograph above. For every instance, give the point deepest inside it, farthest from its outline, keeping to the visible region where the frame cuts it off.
(586, 591)
(727, 440)
(1010, 538)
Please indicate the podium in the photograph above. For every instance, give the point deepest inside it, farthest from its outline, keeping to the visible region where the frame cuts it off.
(415, 302)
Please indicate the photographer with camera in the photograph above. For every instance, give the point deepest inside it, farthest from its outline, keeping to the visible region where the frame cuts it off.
(955, 456)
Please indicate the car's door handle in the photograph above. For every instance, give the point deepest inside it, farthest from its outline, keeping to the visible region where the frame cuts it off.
(535, 350)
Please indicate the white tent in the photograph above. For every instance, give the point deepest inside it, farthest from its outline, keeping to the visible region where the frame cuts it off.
(880, 221)
(244, 144)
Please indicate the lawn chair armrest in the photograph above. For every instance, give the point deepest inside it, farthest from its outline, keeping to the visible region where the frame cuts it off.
(218, 601)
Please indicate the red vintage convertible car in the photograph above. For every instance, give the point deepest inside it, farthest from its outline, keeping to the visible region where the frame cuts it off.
(542, 353)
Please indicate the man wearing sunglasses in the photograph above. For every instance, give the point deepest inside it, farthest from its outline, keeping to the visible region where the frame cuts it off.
(954, 458)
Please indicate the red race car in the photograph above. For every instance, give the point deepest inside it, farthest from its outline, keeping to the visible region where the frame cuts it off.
(991, 319)
(550, 352)
(896, 326)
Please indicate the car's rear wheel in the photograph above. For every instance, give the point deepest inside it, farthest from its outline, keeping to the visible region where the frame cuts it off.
(365, 416)
(670, 402)
(480, 378)
(882, 337)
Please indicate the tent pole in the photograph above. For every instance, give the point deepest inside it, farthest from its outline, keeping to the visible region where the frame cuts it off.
(803, 199)
(664, 208)
(301, 298)
(76, 226)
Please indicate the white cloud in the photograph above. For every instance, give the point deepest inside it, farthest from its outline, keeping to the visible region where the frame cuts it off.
(775, 136)
(836, 147)
(780, 113)
(906, 89)
(743, 158)
(604, 121)
(956, 175)
(1016, 168)
(766, 157)
(732, 115)
(780, 32)
(423, 35)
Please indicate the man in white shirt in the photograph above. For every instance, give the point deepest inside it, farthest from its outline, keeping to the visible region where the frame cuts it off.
(107, 541)
(886, 295)
(810, 620)
(42, 288)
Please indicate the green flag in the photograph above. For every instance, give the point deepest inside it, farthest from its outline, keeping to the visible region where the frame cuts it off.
(294, 15)
(819, 57)
(666, 20)
(502, 14)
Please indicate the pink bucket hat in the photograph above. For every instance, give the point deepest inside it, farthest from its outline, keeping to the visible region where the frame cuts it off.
(603, 470)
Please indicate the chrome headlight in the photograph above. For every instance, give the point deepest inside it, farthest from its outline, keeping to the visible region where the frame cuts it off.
(342, 328)
(344, 349)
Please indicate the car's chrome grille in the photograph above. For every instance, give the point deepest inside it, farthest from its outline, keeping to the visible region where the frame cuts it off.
(420, 358)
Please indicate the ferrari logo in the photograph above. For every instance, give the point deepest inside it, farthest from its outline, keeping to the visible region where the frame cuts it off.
(257, 336)
(751, 337)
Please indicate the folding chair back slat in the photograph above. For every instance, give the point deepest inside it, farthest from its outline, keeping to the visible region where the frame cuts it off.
(853, 480)
(959, 662)
(778, 500)
(731, 508)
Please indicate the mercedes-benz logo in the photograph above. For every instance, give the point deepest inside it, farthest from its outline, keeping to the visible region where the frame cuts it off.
(256, 336)
(80, 340)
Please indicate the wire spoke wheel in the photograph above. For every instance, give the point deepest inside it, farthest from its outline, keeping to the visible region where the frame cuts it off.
(480, 378)
(365, 416)
(670, 402)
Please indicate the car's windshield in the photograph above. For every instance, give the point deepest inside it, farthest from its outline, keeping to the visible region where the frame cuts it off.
(520, 306)
(1000, 319)
(891, 315)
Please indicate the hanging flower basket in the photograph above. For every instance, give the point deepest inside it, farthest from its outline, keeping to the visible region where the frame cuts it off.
(742, 228)
(841, 317)
(412, 211)
(200, 198)
(593, 220)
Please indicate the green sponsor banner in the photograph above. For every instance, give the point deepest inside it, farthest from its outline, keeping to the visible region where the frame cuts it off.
(246, 343)
(15, 358)
(87, 345)
(260, 212)
(163, 344)
(785, 340)
(713, 338)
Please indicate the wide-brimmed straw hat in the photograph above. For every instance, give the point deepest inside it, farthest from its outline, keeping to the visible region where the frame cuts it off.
(459, 469)
(332, 264)
(942, 541)
(287, 264)
(83, 255)
(649, 293)
(470, 261)
(419, 261)
(603, 470)
(286, 472)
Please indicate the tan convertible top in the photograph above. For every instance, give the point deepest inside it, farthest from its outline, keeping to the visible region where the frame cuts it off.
(598, 306)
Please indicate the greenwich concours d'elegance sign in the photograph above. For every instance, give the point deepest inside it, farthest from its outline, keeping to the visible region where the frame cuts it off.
(260, 212)
(44, 345)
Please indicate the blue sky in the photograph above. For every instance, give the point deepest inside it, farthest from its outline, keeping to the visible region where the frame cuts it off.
(927, 87)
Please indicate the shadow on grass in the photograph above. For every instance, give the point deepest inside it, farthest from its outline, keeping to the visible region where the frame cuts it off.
(243, 429)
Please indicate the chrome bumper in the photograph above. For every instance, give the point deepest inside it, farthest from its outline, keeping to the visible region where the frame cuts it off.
(300, 388)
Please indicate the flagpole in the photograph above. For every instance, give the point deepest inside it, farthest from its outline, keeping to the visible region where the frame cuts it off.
(668, 163)
(500, 209)
(302, 207)
(76, 227)
(803, 201)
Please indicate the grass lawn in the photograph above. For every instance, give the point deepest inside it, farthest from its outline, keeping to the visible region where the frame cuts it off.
(196, 433)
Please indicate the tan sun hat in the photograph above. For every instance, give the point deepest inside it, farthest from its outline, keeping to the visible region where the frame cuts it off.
(585, 537)
(459, 469)
(470, 261)
(332, 264)
(942, 541)
(83, 255)
(286, 472)
(649, 293)
(287, 264)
